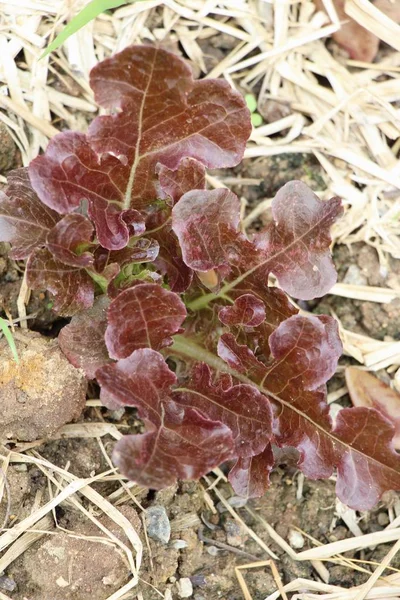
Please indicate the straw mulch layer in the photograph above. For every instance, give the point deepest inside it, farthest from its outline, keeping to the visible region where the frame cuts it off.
(73, 528)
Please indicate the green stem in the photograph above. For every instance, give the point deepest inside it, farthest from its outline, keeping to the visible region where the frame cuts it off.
(203, 301)
(186, 347)
(99, 279)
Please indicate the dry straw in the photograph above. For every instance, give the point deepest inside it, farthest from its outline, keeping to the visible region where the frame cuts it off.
(343, 112)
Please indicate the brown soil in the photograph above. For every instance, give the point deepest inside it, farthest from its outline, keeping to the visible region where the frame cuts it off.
(205, 544)
(68, 566)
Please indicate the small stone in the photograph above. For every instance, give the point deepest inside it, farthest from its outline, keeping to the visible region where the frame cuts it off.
(157, 524)
(198, 580)
(7, 584)
(383, 519)
(179, 544)
(212, 550)
(235, 535)
(354, 276)
(185, 588)
(221, 508)
(234, 501)
(237, 502)
(22, 468)
(117, 414)
(296, 540)
(61, 582)
(339, 533)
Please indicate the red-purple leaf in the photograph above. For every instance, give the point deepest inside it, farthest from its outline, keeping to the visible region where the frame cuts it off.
(176, 117)
(249, 476)
(120, 282)
(72, 287)
(141, 167)
(247, 310)
(298, 242)
(143, 250)
(360, 446)
(185, 446)
(121, 269)
(65, 239)
(163, 116)
(135, 222)
(239, 357)
(369, 391)
(143, 316)
(24, 220)
(240, 407)
(179, 443)
(142, 380)
(295, 247)
(305, 351)
(310, 345)
(300, 414)
(367, 462)
(360, 43)
(276, 304)
(69, 159)
(190, 175)
(206, 223)
(82, 341)
(169, 260)
(70, 171)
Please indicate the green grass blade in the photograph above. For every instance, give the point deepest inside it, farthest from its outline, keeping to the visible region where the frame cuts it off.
(87, 14)
(4, 326)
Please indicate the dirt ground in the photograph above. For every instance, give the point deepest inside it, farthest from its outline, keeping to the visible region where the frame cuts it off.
(72, 562)
(206, 542)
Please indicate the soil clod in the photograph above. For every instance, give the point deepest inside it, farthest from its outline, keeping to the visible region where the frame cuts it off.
(39, 394)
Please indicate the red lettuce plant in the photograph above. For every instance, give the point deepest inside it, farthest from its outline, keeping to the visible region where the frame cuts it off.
(172, 309)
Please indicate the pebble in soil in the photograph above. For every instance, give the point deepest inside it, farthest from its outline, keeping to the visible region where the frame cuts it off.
(184, 587)
(157, 524)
